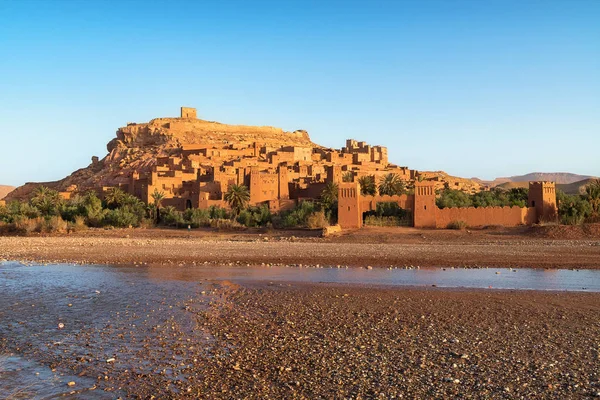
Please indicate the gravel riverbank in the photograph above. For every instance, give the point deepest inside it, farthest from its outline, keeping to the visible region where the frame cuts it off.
(423, 250)
(311, 341)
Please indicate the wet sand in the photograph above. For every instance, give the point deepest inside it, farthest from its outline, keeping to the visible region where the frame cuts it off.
(374, 247)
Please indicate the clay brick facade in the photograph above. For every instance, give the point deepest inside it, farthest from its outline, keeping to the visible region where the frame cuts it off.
(199, 175)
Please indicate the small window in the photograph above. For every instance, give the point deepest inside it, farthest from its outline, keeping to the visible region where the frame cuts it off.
(348, 208)
(425, 207)
(532, 203)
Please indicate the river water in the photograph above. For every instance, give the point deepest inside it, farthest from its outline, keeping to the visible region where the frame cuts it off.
(96, 313)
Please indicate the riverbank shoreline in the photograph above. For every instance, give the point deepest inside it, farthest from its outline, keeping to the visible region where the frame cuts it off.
(377, 248)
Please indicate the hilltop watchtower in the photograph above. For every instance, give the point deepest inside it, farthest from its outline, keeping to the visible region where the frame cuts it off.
(188, 112)
(542, 196)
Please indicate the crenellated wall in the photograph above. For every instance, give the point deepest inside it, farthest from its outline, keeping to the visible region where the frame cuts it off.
(426, 214)
(369, 203)
(484, 216)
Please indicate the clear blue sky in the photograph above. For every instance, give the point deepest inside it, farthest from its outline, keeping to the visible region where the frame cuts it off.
(476, 88)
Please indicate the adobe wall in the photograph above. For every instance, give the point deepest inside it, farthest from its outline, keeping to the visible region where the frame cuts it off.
(263, 186)
(484, 216)
(312, 191)
(204, 202)
(542, 202)
(369, 203)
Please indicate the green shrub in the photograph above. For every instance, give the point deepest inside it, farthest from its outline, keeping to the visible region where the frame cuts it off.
(388, 214)
(295, 218)
(4, 214)
(255, 216)
(458, 225)
(169, 216)
(28, 225)
(196, 217)
(317, 220)
(120, 218)
(245, 218)
(572, 209)
(226, 224)
(16, 209)
(217, 213)
(79, 224)
(54, 224)
(374, 220)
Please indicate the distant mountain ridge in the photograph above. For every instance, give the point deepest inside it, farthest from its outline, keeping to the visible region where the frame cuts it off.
(561, 178)
(569, 188)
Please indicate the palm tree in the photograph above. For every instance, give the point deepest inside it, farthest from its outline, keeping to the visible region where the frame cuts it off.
(114, 197)
(348, 176)
(592, 195)
(367, 185)
(238, 197)
(46, 200)
(329, 195)
(157, 197)
(391, 185)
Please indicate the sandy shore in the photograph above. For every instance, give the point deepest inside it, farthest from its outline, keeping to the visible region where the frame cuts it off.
(375, 247)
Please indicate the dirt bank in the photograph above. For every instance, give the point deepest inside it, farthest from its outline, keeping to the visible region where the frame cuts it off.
(378, 247)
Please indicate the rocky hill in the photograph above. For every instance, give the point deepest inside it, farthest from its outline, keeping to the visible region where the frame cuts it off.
(4, 190)
(137, 146)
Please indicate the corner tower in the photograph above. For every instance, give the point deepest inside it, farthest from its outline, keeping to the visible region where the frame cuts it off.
(542, 196)
(349, 213)
(424, 210)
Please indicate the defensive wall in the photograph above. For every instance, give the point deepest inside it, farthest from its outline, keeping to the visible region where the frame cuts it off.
(541, 207)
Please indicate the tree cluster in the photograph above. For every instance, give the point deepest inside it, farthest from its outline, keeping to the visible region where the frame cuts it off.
(577, 209)
(389, 185)
(450, 198)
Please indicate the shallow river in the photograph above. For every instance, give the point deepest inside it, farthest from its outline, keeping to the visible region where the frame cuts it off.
(89, 312)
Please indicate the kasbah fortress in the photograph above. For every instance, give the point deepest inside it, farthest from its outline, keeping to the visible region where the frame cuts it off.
(193, 162)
